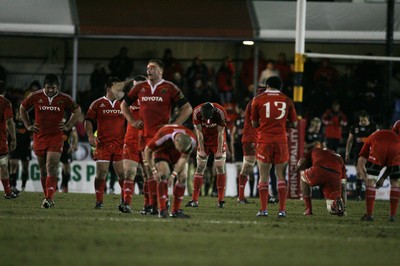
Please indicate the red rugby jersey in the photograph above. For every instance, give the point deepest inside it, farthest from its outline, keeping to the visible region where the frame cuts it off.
(272, 109)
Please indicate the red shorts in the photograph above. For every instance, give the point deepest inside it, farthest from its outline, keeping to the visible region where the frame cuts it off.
(384, 155)
(40, 147)
(249, 148)
(131, 152)
(108, 152)
(330, 182)
(171, 156)
(208, 149)
(273, 152)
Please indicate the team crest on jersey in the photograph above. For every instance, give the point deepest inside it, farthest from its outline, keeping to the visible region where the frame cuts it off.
(60, 102)
(163, 90)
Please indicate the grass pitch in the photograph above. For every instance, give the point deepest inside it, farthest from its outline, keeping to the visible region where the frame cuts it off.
(74, 233)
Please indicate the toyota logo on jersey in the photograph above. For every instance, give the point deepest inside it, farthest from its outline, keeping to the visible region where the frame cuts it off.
(49, 108)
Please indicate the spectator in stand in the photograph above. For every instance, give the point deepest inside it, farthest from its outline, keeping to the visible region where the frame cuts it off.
(325, 79)
(105, 114)
(3, 74)
(272, 112)
(202, 92)
(157, 98)
(284, 70)
(359, 132)
(381, 149)
(326, 76)
(171, 66)
(21, 153)
(269, 71)
(121, 65)
(334, 120)
(395, 93)
(34, 86)
(225, 80)
(7, 128)
(325, 168)
(210, 123)
(247, 75)
(50, 105)
(198, 70)
(167, 155)
(98, 78)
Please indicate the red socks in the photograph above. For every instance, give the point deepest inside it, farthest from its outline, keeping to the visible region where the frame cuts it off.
(221, 183)
(152, 192)
(370, 199)
(263, 194)
(197, 183)
(162, 193)
(51, 186)
(242, 185)
(282, 193)
(307, 201)
(146, 193)
(179, 191)
(99, 185)
(128, 190)
(6, 185)
(394, 200)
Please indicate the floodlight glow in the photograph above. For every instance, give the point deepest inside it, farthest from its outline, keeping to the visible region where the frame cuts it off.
(248, 43)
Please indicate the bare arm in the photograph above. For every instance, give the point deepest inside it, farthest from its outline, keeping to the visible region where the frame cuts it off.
(73, 118)
(200, 140)
(349, 144)
(89, 131)
(361, 167)
(221, 131)
(74, 140)
(125, 111)
(385, 174)
(25, 118)
(11, 132)
(184, 112)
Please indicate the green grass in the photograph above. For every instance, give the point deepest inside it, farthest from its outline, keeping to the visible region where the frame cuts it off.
(73, 233)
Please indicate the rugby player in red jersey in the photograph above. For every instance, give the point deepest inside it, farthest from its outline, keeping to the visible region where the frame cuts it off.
(48, 129)
(210, 122)
(105, 113)
(249, 139)
(167, 155)
(381, 149)
(132, 157)
(325, 168)
(156, 98)
(272, 111)
(7, 128)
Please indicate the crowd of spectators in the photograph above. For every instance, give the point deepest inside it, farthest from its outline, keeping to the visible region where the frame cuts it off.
(354, 87)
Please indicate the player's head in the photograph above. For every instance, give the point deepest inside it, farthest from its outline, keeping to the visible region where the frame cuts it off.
(396, 127)
(274, 83)
(207, 110)
(51, 79)
(183, 143)
(261, 88)
(2, 87)
(108, 88)
(315, 124)
(155, 68)
(50, 84)
(363, 118)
